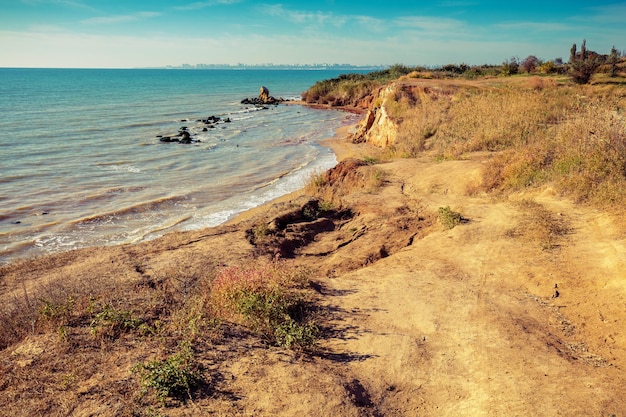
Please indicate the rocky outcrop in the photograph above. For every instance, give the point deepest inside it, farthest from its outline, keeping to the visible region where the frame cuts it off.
(378, 127)
(263, 98)
(264, 93)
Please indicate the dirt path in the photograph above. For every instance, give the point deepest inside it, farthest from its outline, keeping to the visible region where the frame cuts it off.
(463, 322)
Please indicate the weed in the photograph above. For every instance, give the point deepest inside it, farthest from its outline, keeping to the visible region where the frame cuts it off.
(111, 322)
(262, 297)
(448, 218)
(62, 311)
(261, 230)
(326, 206)
(292, 334)
(174, 377)
(540, 226)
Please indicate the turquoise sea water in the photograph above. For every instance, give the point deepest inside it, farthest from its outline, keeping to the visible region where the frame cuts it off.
(81, 163)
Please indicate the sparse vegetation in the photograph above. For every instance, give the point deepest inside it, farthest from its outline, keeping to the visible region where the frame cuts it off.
(540, 226)
(110, 322)
(538, 130)
(263, 296)
(173, 377)
(449, 219)
(348, 177)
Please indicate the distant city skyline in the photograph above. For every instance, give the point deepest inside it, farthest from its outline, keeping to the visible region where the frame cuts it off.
(161, 33)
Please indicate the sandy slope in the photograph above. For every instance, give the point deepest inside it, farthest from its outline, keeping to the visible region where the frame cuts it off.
(463, 322)
(420, 321)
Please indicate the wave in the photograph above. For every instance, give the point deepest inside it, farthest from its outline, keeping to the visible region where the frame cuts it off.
(135, 209)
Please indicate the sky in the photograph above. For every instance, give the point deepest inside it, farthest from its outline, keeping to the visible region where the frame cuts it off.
(154, 33)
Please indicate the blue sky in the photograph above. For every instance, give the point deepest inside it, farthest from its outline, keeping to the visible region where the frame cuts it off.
(143, 33)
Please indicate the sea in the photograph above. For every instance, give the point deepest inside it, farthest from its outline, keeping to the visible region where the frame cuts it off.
(83, 163)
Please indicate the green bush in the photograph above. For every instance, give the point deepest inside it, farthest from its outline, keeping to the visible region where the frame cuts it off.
(448, 218)
(111, 322)
(174, 377)
(292, 334)
(263, 297)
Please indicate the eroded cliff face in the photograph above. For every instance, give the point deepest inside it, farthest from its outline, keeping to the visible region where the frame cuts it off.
(378, 127)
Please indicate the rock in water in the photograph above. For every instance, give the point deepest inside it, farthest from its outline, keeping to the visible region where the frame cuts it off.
(264, 94)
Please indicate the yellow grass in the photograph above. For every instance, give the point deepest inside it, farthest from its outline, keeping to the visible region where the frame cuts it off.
(539, 130)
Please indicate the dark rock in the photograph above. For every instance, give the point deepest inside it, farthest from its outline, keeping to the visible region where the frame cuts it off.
(263, 98)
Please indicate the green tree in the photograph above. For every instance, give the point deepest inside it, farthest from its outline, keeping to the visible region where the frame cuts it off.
(510, 67)
(583, 66)
(572, 54)
(613, 61)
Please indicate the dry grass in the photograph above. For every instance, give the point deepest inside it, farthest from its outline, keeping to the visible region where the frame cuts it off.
(543, 228)
(348, 177)
(420, 111)
(539, 130)
(120, 339)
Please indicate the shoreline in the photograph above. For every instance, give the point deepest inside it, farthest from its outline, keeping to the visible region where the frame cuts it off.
(336, 143)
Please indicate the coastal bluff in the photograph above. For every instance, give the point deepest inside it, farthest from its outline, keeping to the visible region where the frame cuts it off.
(431, 293)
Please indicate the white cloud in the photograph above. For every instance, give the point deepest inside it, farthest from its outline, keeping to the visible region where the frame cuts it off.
(104, 20)
(612, 13)
(67, 3)
(535, 26)
(302, 17)
(429, 24)
(203, 4)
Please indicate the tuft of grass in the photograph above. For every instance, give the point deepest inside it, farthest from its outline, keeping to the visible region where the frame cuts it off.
(263, 296)
(449, 219)
(540, 226)
(110, 323)
(173, 377)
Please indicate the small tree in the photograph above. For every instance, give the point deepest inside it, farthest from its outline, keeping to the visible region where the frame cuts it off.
(613, 57)
(572, 54)
(510, 67)
(583, 66)
(529, 63)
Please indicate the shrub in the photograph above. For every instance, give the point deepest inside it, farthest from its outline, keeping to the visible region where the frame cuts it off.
(510, 67)
(292, 334)
(448, 218)
(262, 296)
(111, 322)
(174, 377)
(548, 67)
(582, 71)
(529, 64)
